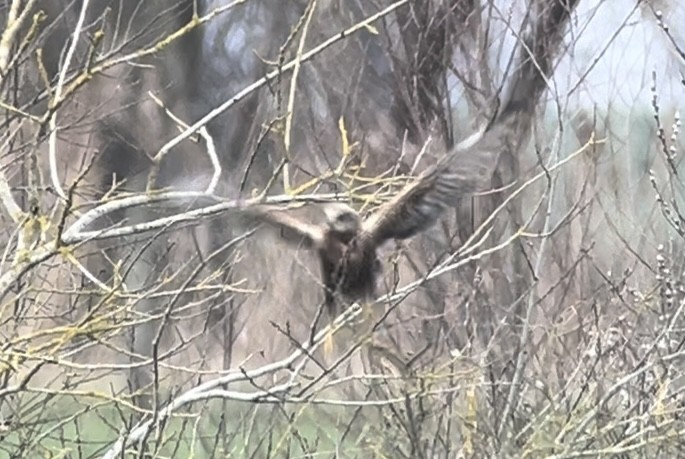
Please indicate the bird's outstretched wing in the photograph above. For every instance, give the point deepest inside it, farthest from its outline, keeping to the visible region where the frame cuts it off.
(291, 229)
(419, 205)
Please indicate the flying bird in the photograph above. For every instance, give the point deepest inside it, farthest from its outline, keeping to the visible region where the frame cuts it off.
(346, 244)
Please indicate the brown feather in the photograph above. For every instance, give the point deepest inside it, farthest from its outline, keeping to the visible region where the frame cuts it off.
(290, 229)
(414, 209)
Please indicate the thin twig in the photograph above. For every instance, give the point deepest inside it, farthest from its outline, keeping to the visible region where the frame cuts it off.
(209, 141)
(290, 110)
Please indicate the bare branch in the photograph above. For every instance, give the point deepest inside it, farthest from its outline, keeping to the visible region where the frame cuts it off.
(52, 140)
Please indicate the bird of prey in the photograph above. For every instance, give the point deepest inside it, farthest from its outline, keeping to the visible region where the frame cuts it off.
(346, 245)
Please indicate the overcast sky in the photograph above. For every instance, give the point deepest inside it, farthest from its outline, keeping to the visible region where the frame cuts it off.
(620, 46)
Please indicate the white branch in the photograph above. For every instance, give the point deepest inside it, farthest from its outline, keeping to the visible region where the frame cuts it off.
(52, 140)
(7, 199)
(76, 232)
(213, 158)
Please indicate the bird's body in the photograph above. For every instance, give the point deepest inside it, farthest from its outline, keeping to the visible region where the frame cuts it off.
(349, 266)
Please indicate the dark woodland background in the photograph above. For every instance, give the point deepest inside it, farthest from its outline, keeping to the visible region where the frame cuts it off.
(539, 318)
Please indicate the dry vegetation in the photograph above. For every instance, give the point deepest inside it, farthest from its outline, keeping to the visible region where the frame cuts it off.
(542, 317)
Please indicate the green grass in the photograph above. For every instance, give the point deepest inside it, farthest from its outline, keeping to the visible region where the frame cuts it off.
(72, 429)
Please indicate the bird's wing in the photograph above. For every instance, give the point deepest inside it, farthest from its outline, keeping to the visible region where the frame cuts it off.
(291, 229)
(419, 205)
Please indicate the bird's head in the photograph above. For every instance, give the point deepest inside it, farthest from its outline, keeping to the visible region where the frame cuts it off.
(342, 219)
